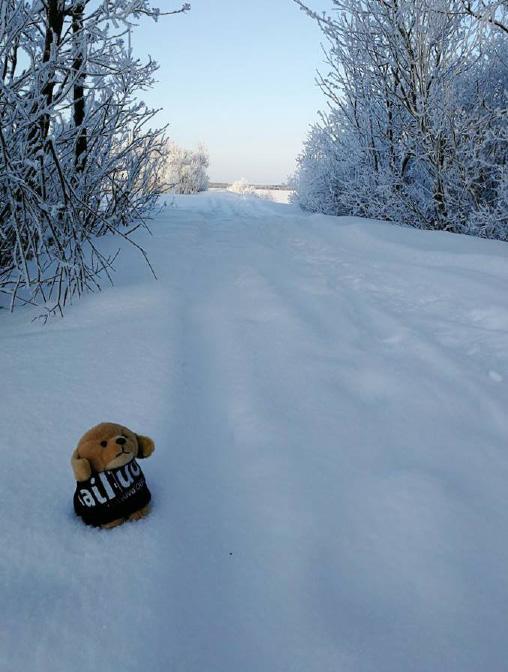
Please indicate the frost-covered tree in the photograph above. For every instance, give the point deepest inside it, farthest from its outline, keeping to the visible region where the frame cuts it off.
(78, 158)
(186, 173)
(416, 124)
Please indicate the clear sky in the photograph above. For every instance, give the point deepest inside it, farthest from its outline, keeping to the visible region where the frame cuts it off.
(238, 76)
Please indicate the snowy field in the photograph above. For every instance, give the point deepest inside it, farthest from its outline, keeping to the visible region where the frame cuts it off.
(328, 399)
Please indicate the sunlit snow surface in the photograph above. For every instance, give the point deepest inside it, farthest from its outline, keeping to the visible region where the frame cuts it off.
(329, 401)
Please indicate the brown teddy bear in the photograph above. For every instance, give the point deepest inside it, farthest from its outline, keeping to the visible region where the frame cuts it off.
(111, 488)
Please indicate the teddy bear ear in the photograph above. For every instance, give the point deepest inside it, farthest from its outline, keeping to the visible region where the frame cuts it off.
(145, 446)
(80, 467)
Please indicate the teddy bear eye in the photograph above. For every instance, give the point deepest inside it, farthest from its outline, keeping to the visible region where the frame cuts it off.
(104, 444)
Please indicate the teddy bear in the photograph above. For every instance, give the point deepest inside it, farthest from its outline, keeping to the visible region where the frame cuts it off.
(111, 488)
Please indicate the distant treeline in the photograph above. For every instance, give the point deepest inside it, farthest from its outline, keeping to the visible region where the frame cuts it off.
(225, 185)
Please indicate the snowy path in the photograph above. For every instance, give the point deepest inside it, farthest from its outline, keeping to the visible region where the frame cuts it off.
(328, 399)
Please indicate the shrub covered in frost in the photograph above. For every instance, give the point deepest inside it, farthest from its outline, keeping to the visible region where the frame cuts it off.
(187, 169)
(417, 124)
(78, 156)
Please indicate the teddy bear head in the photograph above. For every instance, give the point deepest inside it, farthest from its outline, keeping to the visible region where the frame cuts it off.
(108, 446)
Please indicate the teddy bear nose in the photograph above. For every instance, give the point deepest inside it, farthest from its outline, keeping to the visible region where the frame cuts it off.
(121, 440)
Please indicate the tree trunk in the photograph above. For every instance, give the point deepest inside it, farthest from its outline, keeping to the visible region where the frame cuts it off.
(79, 105)
(54, 23)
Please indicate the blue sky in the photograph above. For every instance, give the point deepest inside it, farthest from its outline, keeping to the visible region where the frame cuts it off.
(237, 75)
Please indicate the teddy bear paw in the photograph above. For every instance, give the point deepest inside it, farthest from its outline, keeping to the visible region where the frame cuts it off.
(137, 515)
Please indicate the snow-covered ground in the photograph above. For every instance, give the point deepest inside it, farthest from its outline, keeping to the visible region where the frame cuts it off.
(328, 398)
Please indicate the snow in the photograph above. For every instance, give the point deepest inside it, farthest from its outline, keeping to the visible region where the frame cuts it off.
(243, 189)
(328, 399)
(276, 195)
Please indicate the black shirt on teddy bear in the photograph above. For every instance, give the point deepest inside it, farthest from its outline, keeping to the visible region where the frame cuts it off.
(112, 494)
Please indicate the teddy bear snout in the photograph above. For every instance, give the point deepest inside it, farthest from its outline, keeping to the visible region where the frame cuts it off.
(121, 440)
